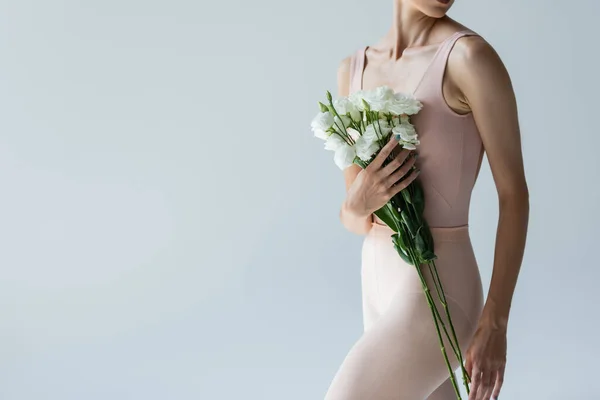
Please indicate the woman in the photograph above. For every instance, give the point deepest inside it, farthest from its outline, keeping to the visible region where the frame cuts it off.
(469, 108)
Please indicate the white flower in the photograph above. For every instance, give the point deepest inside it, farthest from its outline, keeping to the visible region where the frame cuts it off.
(356, 98)
(377, 130)
(322, 121)
(407, 135)
(368, 143)
(340, 122)
(402, 103)
(380, 98)
(406, 131)
(355, 115)
(354, 134)
(383, 127)
(334, 142)
(366, 148)
(370, 133)
(345, 106)
(344, 156)
(321, 134)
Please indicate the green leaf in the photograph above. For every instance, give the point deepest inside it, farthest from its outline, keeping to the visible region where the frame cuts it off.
(418, 197)
(428, 256)
(420, 243)
(400, 240)
(427, 235)
(384, 214)
(394, 204)
(323, 107)
(408, 222)
(405, 236)
(406, 195)
(399, 245)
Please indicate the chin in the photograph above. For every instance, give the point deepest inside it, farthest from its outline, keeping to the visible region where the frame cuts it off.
(434, 8)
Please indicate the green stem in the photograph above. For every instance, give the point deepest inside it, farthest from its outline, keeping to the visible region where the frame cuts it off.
(435, 312)
(342, 133)
(435, 320)
(344, 138)
(338, 115)
(466, 377)
(454, 349)
(442, 297)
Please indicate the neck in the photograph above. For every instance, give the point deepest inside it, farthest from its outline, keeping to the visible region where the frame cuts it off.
(410, 28)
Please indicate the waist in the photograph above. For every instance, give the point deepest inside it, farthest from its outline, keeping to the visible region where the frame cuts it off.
(439, 233)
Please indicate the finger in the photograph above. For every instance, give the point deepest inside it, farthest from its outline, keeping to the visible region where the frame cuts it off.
(475, 383)
(469, 364)
(403, 170)
(398, 160)
(405, 182)
(383, 153)
(487, 384)
(499, 382)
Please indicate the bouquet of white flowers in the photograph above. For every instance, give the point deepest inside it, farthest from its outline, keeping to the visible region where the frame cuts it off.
(355, 128)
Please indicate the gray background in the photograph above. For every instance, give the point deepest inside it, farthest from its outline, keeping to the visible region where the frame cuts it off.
(169, 227)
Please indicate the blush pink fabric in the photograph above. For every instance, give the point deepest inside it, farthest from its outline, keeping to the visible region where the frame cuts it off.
(398, 355)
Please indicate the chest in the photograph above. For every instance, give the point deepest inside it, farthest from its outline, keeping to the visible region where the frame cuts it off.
(404, 74)
(417, 67)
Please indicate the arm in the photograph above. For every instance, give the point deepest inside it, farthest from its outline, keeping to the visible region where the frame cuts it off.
(485, 86)
(487, 89)
(349, 216)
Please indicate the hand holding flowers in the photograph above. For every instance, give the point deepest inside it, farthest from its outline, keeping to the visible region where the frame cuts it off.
(375, 185)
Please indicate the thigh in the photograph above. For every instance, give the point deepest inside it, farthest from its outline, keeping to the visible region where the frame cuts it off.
(371, 309)
(445, 391)
(399, 358)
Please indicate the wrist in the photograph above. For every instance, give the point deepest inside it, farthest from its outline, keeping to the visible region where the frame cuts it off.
(494, 317)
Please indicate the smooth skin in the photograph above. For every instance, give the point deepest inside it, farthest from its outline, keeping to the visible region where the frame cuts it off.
(476, 81)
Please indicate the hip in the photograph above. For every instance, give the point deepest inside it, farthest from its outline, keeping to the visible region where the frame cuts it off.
(386, 274)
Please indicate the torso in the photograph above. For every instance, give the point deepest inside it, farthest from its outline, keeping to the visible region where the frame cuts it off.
(451, 150)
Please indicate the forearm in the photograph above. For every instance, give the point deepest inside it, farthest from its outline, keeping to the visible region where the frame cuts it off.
(510, 246)
(356, 223)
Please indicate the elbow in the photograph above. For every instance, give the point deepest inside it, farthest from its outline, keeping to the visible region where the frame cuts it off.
(364, 230)
(361, 232)
(517, 196)
(359, 227)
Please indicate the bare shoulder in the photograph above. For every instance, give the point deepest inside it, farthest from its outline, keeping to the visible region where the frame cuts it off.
(343, 76)
(474, 58)
(344, 66)
(474, 48)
